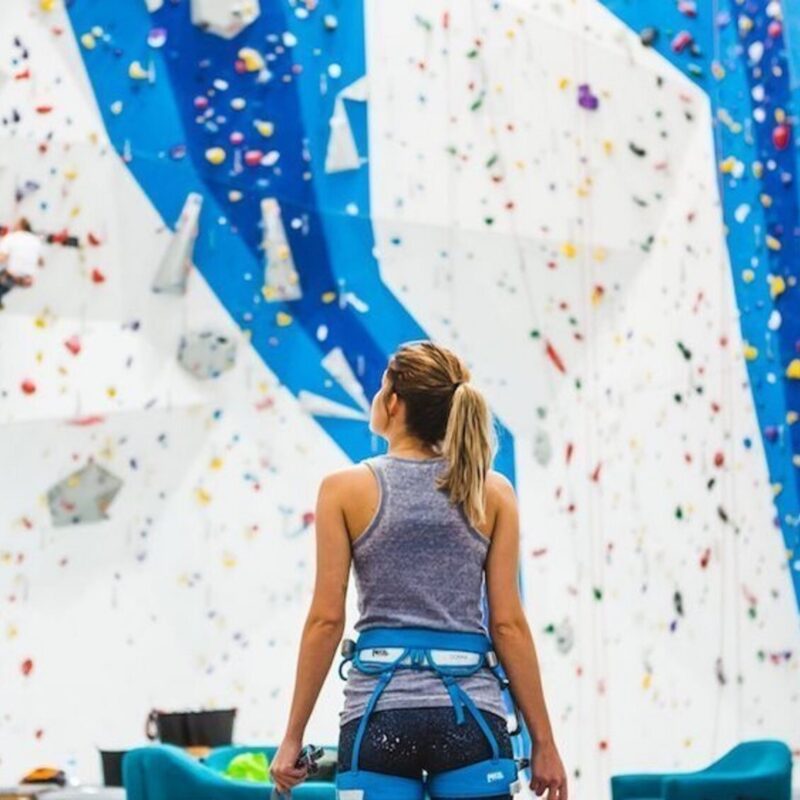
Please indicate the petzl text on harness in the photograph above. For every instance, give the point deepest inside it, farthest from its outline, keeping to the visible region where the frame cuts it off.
(381, 652)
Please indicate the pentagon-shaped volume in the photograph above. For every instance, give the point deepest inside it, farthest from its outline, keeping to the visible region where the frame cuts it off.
(206, 354)
(84, 496)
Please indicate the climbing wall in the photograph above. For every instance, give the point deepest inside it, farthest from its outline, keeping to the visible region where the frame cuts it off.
(247, 213)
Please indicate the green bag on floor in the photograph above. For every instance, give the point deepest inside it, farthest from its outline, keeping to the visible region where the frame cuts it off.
(249, 767)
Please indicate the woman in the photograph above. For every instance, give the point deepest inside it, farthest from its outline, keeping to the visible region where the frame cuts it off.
(424, 525)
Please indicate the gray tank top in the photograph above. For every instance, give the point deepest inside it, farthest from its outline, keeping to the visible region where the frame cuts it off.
(419, 563)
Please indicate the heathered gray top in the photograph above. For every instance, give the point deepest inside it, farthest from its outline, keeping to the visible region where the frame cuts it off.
(419, 563)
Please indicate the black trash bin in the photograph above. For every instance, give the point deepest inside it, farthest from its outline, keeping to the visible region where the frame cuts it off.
(212, 728)
(112, 766)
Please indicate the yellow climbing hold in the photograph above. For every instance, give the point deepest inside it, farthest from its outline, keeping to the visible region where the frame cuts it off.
(215, 155)
(47, 5)
(793, 370)
(228, 560)
(748, 276)
(268, 293)
(569, 250)
(608, 147)
(777, 488)
(264, 127)
(773, 243)
(88, 41)
(750, 352)
(137, 71)
(216, 463)
(253, 61)
(791, 417)
(717, 70)
(777, 285)
(203, 497)
(758, 169)
(234, 195)
(728, 165)
(328, 297)
(283, 319)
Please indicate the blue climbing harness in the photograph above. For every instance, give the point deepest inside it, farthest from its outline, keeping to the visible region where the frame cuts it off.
(382, 651)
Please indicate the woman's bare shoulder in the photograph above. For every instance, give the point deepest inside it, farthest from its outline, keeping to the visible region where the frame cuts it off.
(499, 487)
(349, 480)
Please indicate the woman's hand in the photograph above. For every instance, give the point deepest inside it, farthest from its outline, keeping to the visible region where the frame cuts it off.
(282, 771)
(547, 771)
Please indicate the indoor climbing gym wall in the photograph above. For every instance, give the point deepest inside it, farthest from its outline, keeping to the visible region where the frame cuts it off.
(247, 206)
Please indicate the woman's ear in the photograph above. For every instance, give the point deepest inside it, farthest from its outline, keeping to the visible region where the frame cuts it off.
(392, 404)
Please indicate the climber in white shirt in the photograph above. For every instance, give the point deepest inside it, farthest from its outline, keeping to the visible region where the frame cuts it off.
(20, 255)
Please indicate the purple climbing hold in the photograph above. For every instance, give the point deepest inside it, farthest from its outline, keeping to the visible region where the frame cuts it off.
(585, 97)
(771, 433)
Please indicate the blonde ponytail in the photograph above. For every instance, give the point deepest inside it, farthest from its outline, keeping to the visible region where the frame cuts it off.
(469, 445)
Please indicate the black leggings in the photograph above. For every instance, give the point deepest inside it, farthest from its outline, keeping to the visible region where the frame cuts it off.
(405, 741)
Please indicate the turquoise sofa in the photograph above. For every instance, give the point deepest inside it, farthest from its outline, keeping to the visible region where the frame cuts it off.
(756, 770)
(167, 772)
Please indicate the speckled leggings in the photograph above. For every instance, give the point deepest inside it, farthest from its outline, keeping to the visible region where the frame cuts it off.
(405, 741)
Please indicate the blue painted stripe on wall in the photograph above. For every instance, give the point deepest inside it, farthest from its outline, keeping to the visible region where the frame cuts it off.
(337, 248)
(717, 39)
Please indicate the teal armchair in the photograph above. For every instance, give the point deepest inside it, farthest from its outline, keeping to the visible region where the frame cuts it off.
(167, 772)
(755, 770)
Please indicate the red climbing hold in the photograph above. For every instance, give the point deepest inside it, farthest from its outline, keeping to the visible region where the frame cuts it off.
(97, 276)
(775, 29)
(554, 357)
(780, 136)
(681, 41)
(27, 666)
(28, 386)
(73, 344)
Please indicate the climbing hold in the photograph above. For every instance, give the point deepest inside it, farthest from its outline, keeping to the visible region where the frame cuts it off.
(264, 127)
(252, 59)
(648, 36)
(681, 41)
(780, 136)
(253, 158)
(793, 370)
(777, 285)
(750, 352)
(585, 97)
(137, 71)
(157, 37)
(215, 155)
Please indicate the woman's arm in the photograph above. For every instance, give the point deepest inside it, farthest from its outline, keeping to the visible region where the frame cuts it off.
(325, 622)
(508, 627)
(514, 646)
